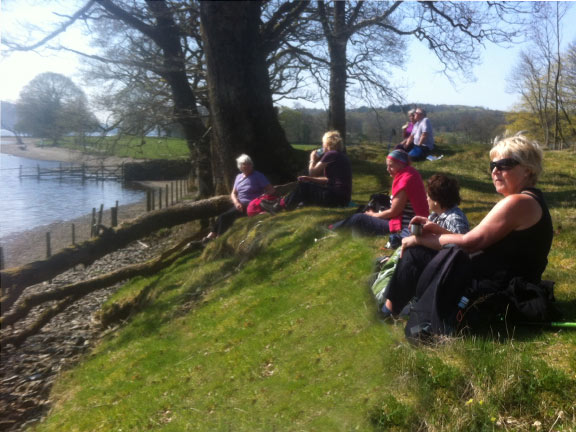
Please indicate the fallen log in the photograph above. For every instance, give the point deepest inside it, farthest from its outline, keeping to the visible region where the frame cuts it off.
(68, 294)
(14, 280)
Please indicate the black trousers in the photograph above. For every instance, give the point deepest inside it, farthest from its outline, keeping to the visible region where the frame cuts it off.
(315, 194)
(226, 219)
(405, 278)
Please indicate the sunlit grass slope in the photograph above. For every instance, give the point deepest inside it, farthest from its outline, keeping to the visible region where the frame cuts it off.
(272, 328)
(131, 147)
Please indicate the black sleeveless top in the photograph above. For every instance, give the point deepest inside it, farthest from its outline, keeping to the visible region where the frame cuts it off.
(521, 253)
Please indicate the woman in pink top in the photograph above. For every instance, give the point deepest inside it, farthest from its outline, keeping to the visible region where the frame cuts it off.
(407, 199)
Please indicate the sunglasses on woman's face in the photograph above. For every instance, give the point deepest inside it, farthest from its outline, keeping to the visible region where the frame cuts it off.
(504, 164)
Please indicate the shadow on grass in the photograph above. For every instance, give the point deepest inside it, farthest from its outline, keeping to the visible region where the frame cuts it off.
(260, 243)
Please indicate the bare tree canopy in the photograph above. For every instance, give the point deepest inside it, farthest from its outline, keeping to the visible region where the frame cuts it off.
(543, 77)
(156, 51)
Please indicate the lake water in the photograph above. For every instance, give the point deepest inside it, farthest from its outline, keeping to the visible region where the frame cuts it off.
(28, 202)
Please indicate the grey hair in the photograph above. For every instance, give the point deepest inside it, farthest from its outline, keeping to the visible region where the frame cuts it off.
(423, 111)
(244, 159)
(412, 111)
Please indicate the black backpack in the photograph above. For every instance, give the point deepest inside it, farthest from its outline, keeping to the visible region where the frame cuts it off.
(449, 300)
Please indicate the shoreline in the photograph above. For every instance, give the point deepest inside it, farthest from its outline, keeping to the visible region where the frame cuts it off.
(30, 245)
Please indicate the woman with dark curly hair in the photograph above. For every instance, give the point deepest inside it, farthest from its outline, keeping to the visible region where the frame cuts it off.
(443, 194)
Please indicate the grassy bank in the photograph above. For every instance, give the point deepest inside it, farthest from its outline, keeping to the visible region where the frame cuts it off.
(272, 327)
(130, 147)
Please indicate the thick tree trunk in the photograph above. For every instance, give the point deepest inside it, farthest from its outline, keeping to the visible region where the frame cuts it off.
(243, 115)
(338, 75)
(14, 280)
(185, 104)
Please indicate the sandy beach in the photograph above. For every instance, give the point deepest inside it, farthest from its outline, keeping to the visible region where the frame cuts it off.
(31, 149)
(28, 246)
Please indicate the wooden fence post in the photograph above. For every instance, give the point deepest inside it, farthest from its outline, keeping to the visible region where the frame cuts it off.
(48, 246)
(73, 234)
(114, 216)
(167, 196)
(93, 224)
(100, 216)
(1, 258)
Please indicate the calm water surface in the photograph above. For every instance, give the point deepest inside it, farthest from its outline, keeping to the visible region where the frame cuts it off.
(28, 202)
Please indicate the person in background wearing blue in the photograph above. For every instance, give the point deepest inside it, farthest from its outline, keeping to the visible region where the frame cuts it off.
(249, 184)
(329, 179)
(422, 136)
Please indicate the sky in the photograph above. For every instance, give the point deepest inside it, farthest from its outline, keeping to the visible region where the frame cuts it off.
(421, 79)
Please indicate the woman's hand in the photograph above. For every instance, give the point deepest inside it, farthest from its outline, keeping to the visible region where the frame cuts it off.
(314, 156)
(238, 205)
(407, 242)
(418, 220)
(372, 213)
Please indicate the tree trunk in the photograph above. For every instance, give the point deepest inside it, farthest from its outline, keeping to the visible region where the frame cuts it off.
(243, 115)
(14, 280)
(338, 74)
(185, 105)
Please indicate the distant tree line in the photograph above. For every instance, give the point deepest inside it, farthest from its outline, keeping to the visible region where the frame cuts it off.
(384, 125)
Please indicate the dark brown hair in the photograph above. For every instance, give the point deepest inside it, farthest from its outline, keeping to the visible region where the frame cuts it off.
(444, 189)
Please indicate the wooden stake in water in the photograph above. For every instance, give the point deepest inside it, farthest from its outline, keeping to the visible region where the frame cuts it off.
(1, 258)
(73, 234)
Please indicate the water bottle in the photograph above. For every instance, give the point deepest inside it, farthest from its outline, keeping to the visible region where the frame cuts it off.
(463, 302)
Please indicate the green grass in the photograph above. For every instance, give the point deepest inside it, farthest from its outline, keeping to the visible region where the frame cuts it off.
(131, 147)
(272, 328)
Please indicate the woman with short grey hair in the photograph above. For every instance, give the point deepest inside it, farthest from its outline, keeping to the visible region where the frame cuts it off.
(248, 185)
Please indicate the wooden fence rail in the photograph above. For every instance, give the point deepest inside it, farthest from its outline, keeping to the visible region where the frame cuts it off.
(84, 172)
